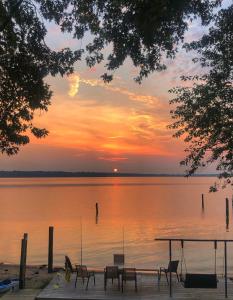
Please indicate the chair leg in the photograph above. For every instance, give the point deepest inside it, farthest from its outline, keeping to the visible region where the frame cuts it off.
(166, 278)
(105, 283)
(94, 278)
(122, 282)
(136, 286)
(76, 279)
(178, 279)
(87, 283)
(118, 283)
(158, 278)
(159, 275)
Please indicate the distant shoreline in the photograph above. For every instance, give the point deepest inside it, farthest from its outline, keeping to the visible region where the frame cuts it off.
(49, 174)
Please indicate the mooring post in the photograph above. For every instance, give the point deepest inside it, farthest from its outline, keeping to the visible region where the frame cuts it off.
(202, 202)
(96, 212)
(25, 237)
(97, 209)
(23, 261)
(227, 213)
(50, 250)
(170, 273)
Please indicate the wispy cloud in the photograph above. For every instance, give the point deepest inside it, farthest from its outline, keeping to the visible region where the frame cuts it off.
(75, 80)
(74, 85)
(106, 129)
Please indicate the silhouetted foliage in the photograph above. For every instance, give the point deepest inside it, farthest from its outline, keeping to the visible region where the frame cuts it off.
(204, 111)
(25, 60)
(144, 30)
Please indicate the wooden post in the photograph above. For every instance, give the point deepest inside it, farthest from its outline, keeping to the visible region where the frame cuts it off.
(227, 213)
(25, 237)
(23, 261)
(202, 202)
(96, 212)
(170, 273)
(50, 250)
(225, 260)
(97, 209)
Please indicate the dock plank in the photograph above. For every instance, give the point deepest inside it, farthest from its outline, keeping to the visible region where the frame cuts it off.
(26, 294)
(148, 289)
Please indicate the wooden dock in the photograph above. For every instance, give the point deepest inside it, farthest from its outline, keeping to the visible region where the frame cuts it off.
(148, 289)
(26, 294)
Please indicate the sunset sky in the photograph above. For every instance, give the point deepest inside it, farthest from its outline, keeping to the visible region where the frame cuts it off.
(98, 127)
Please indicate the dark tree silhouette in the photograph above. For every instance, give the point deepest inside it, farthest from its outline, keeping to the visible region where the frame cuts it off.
(25, 60)
(204, 111)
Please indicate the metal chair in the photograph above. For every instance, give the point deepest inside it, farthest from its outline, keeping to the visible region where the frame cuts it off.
(111, 272)
(118, 259)
(172, 267)
(68, 265)
(129, 274)
(82, 272)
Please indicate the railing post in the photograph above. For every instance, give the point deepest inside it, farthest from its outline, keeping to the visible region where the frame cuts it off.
(50, 250)
(225, 259)
(170, 273)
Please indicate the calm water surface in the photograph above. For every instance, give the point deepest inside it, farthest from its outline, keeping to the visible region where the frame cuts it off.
(145, 207)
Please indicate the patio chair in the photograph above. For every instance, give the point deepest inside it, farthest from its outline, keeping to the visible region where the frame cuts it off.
(111, 272)
(82, 272)
(68, 265)
(129, 274)
(172, 267)
(118, 259)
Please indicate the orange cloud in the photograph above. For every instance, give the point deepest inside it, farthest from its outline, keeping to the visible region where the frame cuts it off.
(113, 130)
(75, 80)
(112, 158)
(106, 126)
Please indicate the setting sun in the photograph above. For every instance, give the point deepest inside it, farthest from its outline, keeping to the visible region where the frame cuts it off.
(115, 170)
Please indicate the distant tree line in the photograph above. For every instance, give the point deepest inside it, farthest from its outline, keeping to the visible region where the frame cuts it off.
(43, 174)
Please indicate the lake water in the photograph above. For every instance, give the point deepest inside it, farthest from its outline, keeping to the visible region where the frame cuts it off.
(145, 207)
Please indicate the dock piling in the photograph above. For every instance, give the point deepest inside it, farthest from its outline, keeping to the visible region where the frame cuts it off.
(96, 212)
(23, 261)
(227, 213)
(50, 250)
(202, 202)
(97, 209)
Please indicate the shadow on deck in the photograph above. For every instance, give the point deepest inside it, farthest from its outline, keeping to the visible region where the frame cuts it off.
(148, 289)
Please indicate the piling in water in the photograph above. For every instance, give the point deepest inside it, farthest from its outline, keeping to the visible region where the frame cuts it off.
(50, 250)
(97, 209)
(23, 261)
(202, 202)
(227, 213)
(96, 212)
